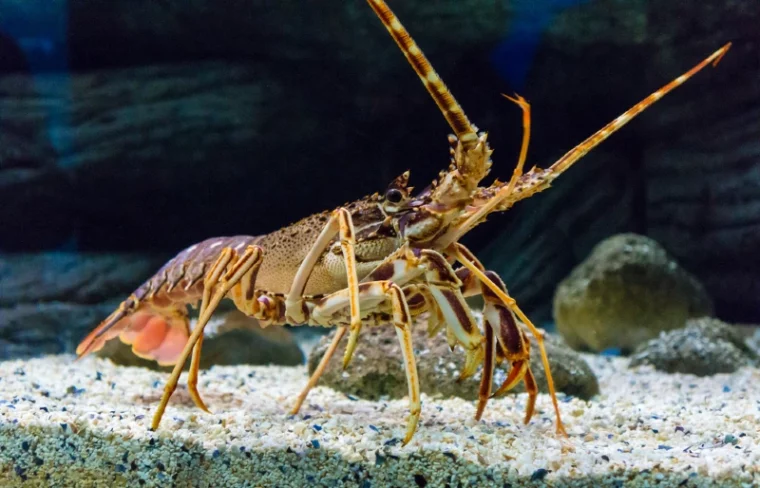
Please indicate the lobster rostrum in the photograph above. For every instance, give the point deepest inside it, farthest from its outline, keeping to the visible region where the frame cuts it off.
(384, 259)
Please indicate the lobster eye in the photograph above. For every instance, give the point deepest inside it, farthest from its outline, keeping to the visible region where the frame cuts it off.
(394, 195)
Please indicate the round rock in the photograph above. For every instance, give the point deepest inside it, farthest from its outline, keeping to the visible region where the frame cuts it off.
(377, 367)
(705, 347)
(627, 291)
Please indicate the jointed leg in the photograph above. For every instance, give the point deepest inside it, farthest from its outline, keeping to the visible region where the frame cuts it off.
(402, 320)
(445, 288)
(469, 261)
(514, 345)
(236, 270)
(209, 282)
(492, 324)
(340, 223)
(314, 379)
(374, 293)
(486, 381)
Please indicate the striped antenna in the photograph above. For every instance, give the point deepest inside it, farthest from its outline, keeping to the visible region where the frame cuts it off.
(584, 147)
(537, 180)
(450, 108)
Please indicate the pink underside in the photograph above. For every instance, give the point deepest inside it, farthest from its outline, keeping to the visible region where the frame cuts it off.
(153, 337)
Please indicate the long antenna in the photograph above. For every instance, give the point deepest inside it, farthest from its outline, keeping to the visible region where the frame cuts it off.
(446, 102)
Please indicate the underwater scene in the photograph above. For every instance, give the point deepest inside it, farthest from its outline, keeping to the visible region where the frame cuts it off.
(380, 243)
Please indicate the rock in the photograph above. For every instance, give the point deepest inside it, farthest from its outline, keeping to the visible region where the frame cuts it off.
(377, 368)
(706, 346)
(627, 291)
(753, 339)
(29, 329)
(50, 301)
(72, 277)
(229, 339)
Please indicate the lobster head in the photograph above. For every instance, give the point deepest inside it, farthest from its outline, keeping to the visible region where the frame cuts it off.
(439, 209)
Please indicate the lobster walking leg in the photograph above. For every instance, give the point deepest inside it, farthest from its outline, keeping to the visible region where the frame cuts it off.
(340, 223)
(435, 318)
(461, 325)
(513, 342)
(374, 293)
(402, 321)
(468, 260)
(320, 369)
(489, 360)
(228, 270)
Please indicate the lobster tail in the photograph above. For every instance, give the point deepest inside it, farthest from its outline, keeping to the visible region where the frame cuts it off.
(110, 328)
(157, 335)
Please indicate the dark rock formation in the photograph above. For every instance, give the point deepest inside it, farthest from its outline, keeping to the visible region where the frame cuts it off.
(50, 301)
(33, 329)
(72, 277)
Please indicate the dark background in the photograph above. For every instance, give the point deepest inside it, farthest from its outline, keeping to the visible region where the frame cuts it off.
(143, 126)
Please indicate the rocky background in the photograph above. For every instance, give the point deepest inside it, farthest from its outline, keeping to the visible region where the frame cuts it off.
(130, 129)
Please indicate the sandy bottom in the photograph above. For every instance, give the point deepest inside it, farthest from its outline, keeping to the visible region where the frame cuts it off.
(86, 423)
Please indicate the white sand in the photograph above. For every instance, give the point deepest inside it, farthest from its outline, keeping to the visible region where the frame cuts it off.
(88, 421)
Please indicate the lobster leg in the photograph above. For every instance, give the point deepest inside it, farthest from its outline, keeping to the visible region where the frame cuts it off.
(444, 286)
(340, 223)
(228, 270)
(320, 369)
(330, 352)
(471, 286)
(376, 292)
(442, 289)
(489, 360)
(402, 321)
(513, 342)
(509, 342)
(208, 283)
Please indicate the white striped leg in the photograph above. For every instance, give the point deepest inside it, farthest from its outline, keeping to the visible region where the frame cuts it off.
(314, 379)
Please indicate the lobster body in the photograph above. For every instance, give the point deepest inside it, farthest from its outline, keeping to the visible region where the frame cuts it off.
(154, 320)
(381, 260)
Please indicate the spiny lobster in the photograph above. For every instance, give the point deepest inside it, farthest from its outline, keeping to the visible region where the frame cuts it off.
(383, 259)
